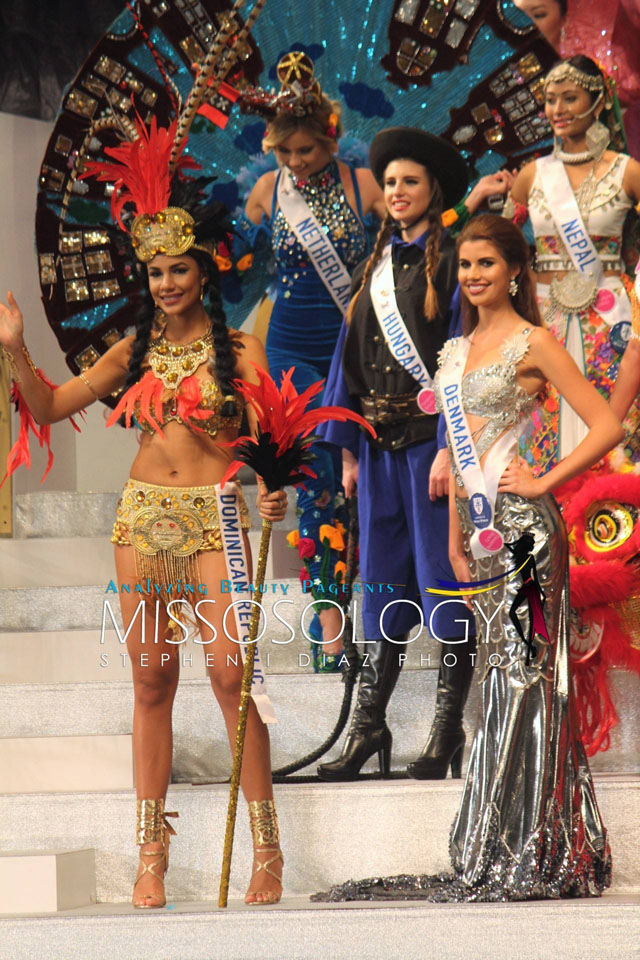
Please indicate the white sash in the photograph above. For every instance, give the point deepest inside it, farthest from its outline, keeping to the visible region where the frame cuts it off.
(236, 559)
(396, 335)
(315, 241)
(567, 217)
(481, 482)
(584, 257)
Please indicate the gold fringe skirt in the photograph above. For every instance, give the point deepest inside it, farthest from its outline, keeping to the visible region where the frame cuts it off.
(168, 527)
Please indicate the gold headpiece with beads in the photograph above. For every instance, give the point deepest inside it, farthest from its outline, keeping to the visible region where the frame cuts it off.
(169, 231)
(142, 176)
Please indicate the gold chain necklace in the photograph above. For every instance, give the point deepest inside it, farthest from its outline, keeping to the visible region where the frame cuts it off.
(173, 362)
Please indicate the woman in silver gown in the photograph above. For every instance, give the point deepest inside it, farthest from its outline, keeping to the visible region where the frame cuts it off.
(528, 826)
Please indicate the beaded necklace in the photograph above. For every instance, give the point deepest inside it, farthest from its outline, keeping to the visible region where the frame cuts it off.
(173, 362)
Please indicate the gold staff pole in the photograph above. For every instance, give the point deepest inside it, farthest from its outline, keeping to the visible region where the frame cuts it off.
(245, 698)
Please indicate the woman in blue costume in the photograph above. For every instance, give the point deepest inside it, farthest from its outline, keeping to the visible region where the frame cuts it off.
(303, 131)
(409, 282)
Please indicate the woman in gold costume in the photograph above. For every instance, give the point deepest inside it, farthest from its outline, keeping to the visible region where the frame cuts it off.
(177, 374)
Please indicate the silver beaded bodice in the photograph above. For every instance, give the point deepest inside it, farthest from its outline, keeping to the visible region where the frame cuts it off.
(491, 392)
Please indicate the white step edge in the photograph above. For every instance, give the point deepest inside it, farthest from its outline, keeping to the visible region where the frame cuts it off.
(47, 881)
(59, 764)
(330, 833)
(78, 561)
(600, 929)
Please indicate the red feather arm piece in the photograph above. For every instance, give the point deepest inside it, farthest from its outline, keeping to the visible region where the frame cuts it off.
(20, 454)
(141, 174)
(145, 393)
(284, 426)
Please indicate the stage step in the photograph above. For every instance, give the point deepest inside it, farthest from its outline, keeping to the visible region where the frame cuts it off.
(331, 832)
(87, 561)
(33, 607)
(307, 707)
(603, 929)
(48, 513)
(59, 763)
(46, 881)
(75, 656)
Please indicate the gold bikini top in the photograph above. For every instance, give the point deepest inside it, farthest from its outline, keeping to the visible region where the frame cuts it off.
(170, 390)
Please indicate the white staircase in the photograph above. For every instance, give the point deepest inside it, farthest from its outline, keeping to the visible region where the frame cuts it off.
(67, 797)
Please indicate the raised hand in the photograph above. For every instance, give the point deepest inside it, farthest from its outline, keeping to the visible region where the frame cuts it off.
(494, 183)
(11, 324)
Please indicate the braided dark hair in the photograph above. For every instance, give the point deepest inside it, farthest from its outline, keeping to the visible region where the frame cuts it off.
(143, 318)
(432, 248)
(384, 235)
(222, 365)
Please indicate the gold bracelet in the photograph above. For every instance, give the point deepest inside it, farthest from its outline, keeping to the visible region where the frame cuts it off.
(15, 373)
(82, 377)
(27, 357)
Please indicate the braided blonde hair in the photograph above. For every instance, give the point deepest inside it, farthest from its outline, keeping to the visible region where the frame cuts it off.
(384, 235)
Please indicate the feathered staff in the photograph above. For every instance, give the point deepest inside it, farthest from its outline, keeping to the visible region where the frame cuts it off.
(281, 455)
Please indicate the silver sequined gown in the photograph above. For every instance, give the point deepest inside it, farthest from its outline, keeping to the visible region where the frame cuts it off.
(528, 826)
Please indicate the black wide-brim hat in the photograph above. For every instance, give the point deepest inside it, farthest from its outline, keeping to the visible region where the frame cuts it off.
(441, 159)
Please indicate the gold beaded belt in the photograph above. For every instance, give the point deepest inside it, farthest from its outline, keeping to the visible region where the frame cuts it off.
(382, 410)
(168, 526)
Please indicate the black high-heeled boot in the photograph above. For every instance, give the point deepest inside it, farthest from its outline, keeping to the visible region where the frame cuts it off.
(368, 733)
(446, 740)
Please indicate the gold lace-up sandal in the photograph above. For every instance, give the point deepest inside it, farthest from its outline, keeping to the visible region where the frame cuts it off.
(266, 840)
(152, 827)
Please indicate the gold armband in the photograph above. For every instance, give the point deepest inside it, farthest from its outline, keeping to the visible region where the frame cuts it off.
(82, 377)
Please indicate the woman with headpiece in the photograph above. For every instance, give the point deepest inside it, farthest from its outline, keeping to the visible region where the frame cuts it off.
(528, 826)
(177, 374)
(398, 319)
(605, 32)
(313, 210)
(577, 199)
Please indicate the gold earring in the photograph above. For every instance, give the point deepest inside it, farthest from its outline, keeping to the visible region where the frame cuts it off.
(513, 287)
(201, 293)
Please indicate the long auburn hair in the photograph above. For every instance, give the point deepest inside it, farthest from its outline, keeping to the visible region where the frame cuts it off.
(511, 245)
(431, 252)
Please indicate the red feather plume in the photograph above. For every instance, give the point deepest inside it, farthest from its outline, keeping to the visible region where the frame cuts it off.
(141, 175)
(280, 453)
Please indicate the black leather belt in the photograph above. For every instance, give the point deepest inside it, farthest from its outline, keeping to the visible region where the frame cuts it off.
(382, 410)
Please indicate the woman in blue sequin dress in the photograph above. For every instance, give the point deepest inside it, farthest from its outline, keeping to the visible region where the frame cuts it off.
(305, 321)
